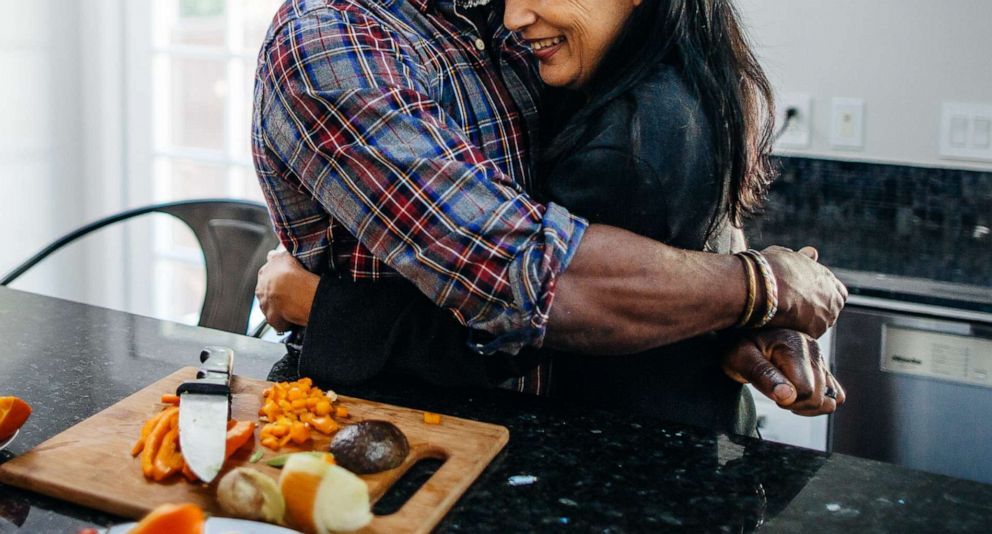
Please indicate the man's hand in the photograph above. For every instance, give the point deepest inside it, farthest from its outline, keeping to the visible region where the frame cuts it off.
(285, 291)
(787, 367)
(810, 297)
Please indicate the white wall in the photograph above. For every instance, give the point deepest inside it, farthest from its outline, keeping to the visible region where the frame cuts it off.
(32, 149)
(60, 106)
(903, 57)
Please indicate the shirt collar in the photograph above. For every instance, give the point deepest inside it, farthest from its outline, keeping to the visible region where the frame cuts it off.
(423, 5)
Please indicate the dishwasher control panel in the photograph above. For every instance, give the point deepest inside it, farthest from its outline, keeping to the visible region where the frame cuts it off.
(956, 358)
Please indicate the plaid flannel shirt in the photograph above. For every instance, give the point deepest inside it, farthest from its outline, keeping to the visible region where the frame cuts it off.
(387, 139)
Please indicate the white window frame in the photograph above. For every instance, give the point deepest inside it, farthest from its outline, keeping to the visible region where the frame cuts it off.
(147, 124)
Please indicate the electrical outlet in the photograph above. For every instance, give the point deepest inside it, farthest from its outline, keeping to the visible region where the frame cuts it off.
(799, 132)
(847, 123)
(966, 131)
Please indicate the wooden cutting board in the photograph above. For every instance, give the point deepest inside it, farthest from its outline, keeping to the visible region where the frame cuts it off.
(90, 464)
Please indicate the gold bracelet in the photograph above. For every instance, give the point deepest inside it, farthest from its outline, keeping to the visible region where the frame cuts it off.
(752, 290)
(771, 287)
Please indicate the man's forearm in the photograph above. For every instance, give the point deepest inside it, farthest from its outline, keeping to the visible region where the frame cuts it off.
(623, 293)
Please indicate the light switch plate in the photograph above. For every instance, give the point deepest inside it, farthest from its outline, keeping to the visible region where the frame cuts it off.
(847, 123)
(965, 131)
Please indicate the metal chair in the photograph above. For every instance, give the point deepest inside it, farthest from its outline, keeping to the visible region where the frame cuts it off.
(235, 236)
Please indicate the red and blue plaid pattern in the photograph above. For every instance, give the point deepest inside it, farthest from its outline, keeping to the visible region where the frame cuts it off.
(383, 121)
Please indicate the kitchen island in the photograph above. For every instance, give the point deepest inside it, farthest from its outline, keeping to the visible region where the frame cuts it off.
(565, 467)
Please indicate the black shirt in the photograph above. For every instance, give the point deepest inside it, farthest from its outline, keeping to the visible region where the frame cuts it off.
(647, 165)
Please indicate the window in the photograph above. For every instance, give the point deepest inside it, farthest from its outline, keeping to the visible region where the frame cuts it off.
(190, 91)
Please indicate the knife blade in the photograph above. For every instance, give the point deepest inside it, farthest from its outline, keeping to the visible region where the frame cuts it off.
(204, 408)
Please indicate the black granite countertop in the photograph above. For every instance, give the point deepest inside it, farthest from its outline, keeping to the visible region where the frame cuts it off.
(566, 468)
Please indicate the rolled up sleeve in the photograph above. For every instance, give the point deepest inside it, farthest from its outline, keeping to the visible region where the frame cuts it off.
(346, 111)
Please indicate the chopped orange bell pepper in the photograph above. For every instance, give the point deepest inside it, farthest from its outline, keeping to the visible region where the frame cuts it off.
(432, 418)
(145, 430)
(188, 473)
(237, 436)
(168, 459)
(13, 413)
(154, 440)
(291, 409)
(172, 519)
(324, 425)
(299, 433)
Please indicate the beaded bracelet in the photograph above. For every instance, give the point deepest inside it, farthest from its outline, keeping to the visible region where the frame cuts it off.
(771, 287)
(752, 291)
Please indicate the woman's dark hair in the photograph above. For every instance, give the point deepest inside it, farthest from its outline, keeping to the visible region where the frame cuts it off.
(705, 41)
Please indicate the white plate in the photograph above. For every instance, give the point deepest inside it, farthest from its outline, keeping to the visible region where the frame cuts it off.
(3, 444)
(223, 525)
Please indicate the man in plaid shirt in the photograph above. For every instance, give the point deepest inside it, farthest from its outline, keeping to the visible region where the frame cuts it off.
(396, 137)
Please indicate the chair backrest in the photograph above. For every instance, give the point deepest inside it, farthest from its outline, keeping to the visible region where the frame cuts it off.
(235, 236)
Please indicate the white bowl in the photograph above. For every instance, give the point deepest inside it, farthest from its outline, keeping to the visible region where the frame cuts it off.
(223, 525)
(3, 444)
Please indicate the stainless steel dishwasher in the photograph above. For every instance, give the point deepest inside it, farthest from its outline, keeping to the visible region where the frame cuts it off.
(915, 357)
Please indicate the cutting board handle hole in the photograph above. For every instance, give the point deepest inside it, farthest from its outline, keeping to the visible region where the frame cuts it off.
(416, 476)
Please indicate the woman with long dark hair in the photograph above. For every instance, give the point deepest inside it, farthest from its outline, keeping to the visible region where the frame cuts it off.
(659, 121)
(664, 128)
(678, 69)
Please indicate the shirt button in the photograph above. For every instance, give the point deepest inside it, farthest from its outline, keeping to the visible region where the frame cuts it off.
(480, 44)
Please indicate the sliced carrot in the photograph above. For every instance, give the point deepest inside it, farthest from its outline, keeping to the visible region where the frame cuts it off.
(172, 519)
(170, 398)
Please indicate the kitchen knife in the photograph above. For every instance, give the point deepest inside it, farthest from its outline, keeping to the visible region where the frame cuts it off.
(204, 408)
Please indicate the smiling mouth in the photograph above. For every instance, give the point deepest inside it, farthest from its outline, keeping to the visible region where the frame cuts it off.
(541, 44)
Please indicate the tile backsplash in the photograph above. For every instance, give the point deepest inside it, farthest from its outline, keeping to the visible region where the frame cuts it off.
(898, 220)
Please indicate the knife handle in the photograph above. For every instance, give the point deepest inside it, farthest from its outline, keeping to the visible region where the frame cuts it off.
(217, 360)
(214, 375)
(206, 386)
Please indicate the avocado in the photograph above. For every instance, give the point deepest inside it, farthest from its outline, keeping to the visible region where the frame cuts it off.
(370, 447)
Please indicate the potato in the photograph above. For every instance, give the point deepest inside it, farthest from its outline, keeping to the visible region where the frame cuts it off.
(248, 494)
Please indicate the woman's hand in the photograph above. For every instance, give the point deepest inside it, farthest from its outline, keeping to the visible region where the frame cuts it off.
(787, 367)
(285, 291)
